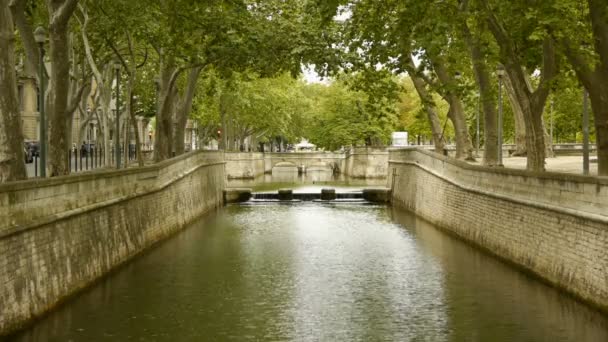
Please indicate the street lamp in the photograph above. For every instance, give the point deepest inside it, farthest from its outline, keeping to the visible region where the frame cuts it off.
(500, 71)
(40, 38)
(117, 134)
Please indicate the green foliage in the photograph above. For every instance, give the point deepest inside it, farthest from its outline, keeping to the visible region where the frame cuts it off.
(261, 107)
(413, 118)
(253, 49)
(351, 112)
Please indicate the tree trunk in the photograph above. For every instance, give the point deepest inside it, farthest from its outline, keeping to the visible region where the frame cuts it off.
(60, 11)
(518, 118)
(179, 136)
(26, 33)
(486, 96)
(464, 147)
(597, 94)
(164, 117)
(531, 102)
(429, 105)
(223, 139)
(133, 121)
(104, 81)
(594, 77)
(12, 164)
(535, 142)
(184, 109)
(126, 141)
(58, 101)
(599, 104)
(230, 135)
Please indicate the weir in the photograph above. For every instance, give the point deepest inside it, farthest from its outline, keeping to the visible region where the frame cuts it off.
(378, 195)
(61, 235)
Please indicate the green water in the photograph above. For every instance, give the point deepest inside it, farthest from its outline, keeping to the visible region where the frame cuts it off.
(318, 272)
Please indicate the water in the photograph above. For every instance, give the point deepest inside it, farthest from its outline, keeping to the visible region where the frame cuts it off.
(318, 272)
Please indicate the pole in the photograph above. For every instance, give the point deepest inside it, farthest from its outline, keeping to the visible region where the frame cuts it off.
(43, 139)
(499, 131)
(117, 133)
(585, 132)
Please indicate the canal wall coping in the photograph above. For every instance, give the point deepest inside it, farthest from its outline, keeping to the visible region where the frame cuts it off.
(550, 224)
(58, 235)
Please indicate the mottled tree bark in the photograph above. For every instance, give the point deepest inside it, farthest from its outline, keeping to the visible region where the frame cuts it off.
(429, 106)
(595, 77)
(12, 164)
(486, 96)
(104, 80)
(518, 118)
(223, 143)
(184, 109)
(60, 12)
(133, 121)
(26, 33)
(532, 103)
(164, 116)
(464, 147)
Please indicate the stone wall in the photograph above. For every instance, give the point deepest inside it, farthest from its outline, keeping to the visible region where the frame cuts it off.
(59, 235)
(244, 165)
(553, 225)
(360, 162)
(367, 162)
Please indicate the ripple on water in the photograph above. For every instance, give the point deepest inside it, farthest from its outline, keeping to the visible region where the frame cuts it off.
(312, 272)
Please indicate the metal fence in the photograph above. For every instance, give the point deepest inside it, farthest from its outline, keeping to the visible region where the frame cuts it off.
(81, 159)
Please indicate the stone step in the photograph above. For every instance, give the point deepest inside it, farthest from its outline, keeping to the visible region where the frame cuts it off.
(287, 195)
(380, 195)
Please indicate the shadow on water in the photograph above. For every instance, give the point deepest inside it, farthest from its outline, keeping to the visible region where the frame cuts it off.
(318, 272)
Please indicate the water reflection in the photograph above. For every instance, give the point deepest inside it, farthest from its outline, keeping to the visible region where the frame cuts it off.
(489, 300)
(319, 272)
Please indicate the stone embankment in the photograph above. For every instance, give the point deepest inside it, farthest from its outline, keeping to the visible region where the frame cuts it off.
(553, 225)
(59, 235)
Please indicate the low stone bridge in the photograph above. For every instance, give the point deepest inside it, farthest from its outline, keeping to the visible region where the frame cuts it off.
(305, 161)
(358, 162)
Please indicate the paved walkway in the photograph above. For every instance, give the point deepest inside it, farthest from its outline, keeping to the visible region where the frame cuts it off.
(566, 164)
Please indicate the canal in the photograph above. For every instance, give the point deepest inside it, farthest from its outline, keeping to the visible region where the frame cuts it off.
(318, 272)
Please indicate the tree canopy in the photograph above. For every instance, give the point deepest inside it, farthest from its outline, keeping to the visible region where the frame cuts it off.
(234, 67)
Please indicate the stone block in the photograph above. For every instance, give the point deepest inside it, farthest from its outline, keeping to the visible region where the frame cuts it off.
(381, 195)
(285, 195)
(328, 194)
(237, 195)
